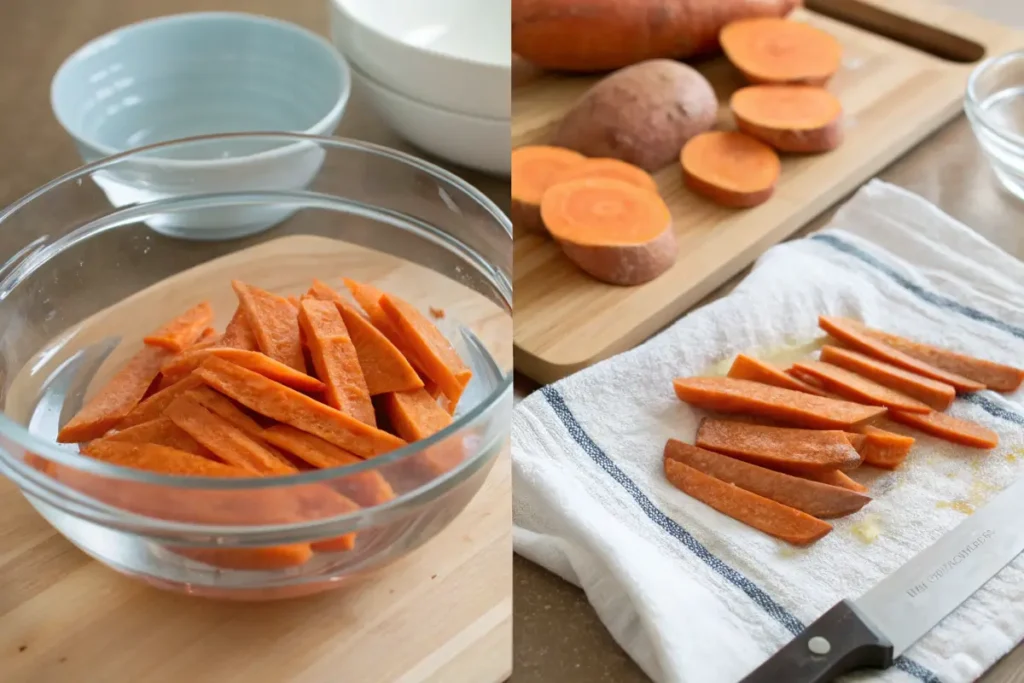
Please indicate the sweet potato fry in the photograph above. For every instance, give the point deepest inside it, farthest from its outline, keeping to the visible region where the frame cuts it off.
(224, 440)
(368, 297)
(949, 428)
(856, 440)
(415, 415)
(184, 363)
(853, 387)
(779, 448)
(850, 332)
(763, 514)
(882, 448)
(727, 395)
(161, 459)
(223, 406)
(276, 401)
(274, 322)
(160, 431)
(385, 367)
(335, 360)
(182, 332)
(114, 401)
(209, 337)
(238, 334)
(154, 406)
(755, 370)
(936, 395)
(252, 559)
(836, 478)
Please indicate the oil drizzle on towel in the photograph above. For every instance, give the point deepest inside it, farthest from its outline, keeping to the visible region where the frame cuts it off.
(783, 356)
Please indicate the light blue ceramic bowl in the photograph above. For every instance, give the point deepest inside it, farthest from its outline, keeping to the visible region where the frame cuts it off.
(202, 74)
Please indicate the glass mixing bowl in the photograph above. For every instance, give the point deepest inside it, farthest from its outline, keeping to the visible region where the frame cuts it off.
(361, 211)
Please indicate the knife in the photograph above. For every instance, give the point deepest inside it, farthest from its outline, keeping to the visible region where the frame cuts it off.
(874, 629)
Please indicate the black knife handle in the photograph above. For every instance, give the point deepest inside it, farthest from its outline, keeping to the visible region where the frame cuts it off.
(839, 642)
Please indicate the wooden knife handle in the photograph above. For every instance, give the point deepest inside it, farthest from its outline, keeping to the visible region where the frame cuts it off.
(839, 642)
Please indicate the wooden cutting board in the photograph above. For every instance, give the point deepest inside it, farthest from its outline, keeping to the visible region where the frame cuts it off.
(441, 614)
(894, 95)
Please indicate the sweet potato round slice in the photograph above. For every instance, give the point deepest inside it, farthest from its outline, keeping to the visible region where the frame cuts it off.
(614, 231)
(612, 169)
(730, 168)
(790, 118)
(774, 50)
(533, 168)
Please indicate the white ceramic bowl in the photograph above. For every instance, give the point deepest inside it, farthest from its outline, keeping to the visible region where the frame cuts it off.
(452, 54)
(472, 141)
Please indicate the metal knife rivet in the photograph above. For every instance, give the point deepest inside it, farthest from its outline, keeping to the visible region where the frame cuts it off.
(819, 646)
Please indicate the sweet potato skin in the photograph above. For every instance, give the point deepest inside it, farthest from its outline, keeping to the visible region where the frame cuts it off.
(626, 265)
(810, 140)
(601, 35)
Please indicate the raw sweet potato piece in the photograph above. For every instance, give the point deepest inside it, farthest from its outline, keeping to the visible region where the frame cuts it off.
(836, 478)
(252, 559)
(814, 498)
(114, 401)
(274, 322)
(368, 297)
(790, 118)
(850, 333)
(433, 352)
(853, 387)
(415, 415)
(182, 332)
(221, 405)
(533, 169)
(366, 488)
(949, 428)
(937, 395)
(276, 401)
(755, 370)
(856, 440)
(764, 514)
(780, 448)
(161, 459)
(238, 334)
(224, 440)
(209, 337)
(780, 51)
(614, 231)
(727, 395)
(993, 375)
(334, 357)
(884, 449)
(610, 169)
(160, 431)
(155, 405)
(184, 363)
(730, 168)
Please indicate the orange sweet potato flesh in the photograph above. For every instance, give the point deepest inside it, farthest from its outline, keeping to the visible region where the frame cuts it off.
(368, 297)
(602, 35)
(730, 168)
(727, 395)
(433, 352)
(335, 360)
(115, 400)
(766, 515)
(415, 415)
(183, 331)
(155, 405)
(854, 387)
(224, 407)
(816, 499)
(884, 449)
(756, 370)
(790, 118)
(851, 333)
(836, 478)
(779, 448)
(609, 169)
(281, 403)
(949, 428)
(613, 230)
(936, 395)
(534, 167)
(778, 51)
(993, 375)
(161, 431)
(160, 459)
(184, 363)
(274, 322)
(238, 334)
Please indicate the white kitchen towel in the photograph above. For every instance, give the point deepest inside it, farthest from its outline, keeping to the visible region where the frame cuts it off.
(696, 597)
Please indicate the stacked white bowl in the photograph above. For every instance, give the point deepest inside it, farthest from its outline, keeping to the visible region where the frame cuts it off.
(437, 71)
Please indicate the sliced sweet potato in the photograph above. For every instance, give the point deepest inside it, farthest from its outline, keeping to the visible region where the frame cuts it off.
(614, 231)
(274, 322)
(780, 448)
(281, 403)
(335, 360)
(780, 51)
(937, 395)
(533, 169)
(764, 514)
(160, 431)
(183, 331)
(115, 400)
(368, 297)
(161, 459)
(790, 118)
(730, 168)
(856, 440)
(184, 363)
(949, 428)
(854, 387)
(155, 405)
(251, 559)
(238, 334)
(850, 332)
(414, 415)
(727, 395)
(814, 498)
(223, 406)
(882, 448)
(756, 370)
(209, 337)
(836, 478)
(611, 169)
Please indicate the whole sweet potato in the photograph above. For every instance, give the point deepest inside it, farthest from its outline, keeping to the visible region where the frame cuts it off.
(601, 35)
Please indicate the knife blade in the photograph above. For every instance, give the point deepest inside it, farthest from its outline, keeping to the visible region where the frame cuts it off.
(874, 629)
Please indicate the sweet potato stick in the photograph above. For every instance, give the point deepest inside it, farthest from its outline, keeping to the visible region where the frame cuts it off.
(936, 395)
(335, 360)
(160, 431)
(184, 363)
(182, 332)
(274, 322)
(154, 406)
(368, 297)
(949, 428)
(763, 514)
(836, 478)
(276, 401)
(853, 387)
(814, 498)
(223, 406)
(161, 459)
(884, 449)
(415, 415)
(117, 398)
(780, 448)
(238, 334)
(755, 370)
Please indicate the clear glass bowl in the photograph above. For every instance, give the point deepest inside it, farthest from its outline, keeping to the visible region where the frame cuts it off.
(70, 256)
(995, 108)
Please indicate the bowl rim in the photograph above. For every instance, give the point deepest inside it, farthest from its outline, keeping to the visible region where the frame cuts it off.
(326, 46)
(973, 102)
(20, 435)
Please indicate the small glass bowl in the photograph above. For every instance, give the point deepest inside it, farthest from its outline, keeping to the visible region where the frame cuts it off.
(995, 108)
(70, 256)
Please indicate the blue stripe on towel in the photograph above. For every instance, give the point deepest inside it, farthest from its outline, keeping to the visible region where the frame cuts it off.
(674, 529)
